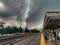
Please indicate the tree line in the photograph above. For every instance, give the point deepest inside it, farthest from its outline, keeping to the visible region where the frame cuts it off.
(15, 29)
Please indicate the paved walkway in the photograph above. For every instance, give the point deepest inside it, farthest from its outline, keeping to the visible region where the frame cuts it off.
(53, 43)
(42, 42)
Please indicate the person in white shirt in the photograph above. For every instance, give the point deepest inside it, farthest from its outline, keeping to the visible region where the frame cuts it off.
(58, 34)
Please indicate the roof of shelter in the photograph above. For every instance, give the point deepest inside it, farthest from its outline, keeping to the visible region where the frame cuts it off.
(49, 14)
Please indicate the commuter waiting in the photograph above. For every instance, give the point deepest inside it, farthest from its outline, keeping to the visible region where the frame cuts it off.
(58, 34)
(45, 36)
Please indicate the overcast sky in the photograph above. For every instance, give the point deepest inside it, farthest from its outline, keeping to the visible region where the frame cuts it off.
(26, 12)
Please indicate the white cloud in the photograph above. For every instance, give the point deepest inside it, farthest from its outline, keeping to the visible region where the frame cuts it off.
(2, 7)
(40, 26)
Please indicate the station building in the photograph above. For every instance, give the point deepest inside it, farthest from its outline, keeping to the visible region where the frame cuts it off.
(51, 20)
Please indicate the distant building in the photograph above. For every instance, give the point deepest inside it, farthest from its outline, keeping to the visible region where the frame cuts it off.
(51, 20)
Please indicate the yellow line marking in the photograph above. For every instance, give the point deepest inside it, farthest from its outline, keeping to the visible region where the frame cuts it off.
(42, 40)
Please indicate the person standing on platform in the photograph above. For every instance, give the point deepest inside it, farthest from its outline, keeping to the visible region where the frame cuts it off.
(45, 36)
(53, 37)
(58, 34)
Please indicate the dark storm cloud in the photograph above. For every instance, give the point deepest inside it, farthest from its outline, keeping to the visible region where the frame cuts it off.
(16, 10)
(8, 12)
(35, 13)
(38, 9)
(14, 7)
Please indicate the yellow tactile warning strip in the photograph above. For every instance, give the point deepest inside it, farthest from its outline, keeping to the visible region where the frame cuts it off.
(42, 42)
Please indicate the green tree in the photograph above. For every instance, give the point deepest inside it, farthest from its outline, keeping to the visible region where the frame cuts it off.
(20, 29)
(26, 30)
(35, 31)
(2, 24)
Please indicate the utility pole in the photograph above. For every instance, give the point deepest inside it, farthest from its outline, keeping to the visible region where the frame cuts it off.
(18, 11)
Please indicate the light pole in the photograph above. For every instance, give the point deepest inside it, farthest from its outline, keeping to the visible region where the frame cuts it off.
(18, 11)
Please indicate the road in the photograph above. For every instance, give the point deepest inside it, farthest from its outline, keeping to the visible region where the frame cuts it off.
(25, 40)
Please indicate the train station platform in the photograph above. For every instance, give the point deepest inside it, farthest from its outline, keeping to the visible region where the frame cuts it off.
(42, 41)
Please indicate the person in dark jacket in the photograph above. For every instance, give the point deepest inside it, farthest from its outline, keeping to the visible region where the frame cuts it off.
(45, 36)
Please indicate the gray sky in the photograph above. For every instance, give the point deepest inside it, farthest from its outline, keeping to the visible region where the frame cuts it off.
(26, 12)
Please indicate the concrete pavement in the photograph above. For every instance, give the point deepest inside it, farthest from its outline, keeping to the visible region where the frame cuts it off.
(49, 42)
